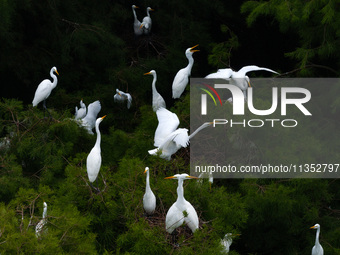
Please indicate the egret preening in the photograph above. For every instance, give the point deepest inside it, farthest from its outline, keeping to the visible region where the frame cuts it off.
(317, 248)
(181, 211)
(94, 159)
(169, 139)
(121, 96)
(147, 22)
(149, 199)
(157, 99)
(39, 228)
(136, 23)
(45, 88)
(90, 119)
(81, 112)
(239, 78)
(181, 79)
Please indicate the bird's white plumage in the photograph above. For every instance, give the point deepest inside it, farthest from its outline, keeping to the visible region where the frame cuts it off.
(90, 119)
(167, 123)
(40, 227)
(121, 97)
(81, 112)
(45, 88)
(181, 211)
(226, 242)
(181, 79)
(147, 22)
(317, 248)
(149, 199)
(94, 159)
(157, 99)
(136, 23)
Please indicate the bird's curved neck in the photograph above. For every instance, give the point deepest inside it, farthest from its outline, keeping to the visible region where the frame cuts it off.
(44, 213)
(180, 191)
(154, 81)
(134, 13)
(317, 237)
(55, 80)
(204, 125)
(98, 136)
(147, 187)
(148, 12)
(190, 64)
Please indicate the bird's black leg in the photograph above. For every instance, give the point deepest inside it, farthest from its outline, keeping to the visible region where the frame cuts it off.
(45, 109)
(96, 189)
(174, 238)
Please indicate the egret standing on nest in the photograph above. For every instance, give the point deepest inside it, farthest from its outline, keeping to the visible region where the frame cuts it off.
(149, 199)
(44, 89)
(181, 79)
(317, 248)
(157, 100)
(181, 211)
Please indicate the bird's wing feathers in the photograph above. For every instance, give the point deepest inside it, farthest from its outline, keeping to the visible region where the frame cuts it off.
(167, 123)
(220, 74)
(246, 69)
(180, 82)
(92, 110)
(129, 100)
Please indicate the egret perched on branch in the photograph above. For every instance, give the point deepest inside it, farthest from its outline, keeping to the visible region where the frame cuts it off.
(94, 159)
(317, 248)
(147, 22)
(157, 99)
(169, 139)
(182, 77)
(136, 23)
(239, 78)
(121, 96)
(149, 199)
(90, 119)
(181, 211)
(45, 88)
(39, 228)
(81, 112)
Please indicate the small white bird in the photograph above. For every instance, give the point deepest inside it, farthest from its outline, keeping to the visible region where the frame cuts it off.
(39, 228)
(181, 211)
(227, 241)
(94, 159)
(136, 23)
(149, 199)
(121, 96)
(239, 78)
(81, 112)
(169, 139)
(206, 175)
(147, 22)
(317, 248)
(181, 79)
(89, 120)
(45, 88)
(157, 99)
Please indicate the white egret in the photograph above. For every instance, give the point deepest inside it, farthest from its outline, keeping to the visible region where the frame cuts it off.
(227, 241)
(206, 175)
(90, 119)
(121, 96)
(94, 159)
(147, 22)
(149, 199)
(317, 248)
(45, 88)
(181, 211)
(136, 23)
(181, 79)
(169, 139)
(239, 78)
(81, 112)
(39, 228)
(157, 99)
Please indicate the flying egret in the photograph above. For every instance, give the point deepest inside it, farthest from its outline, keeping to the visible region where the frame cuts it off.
(239, 78)
(147, 22)
(149, 199)
(182, 77)
(81, 112)
(181, 211)
(39, 228)
(121, 96)
(136, 23)
(89, 120)
(45, 88)
(157, 99)
(169, 139)
(317, 248)
(94, 159)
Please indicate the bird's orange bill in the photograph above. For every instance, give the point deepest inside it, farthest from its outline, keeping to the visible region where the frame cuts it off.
(192, 48)
(170, 177)
(152, 9)
(312, 227)
(249, 84)
(145, 171)
(147, 73)
(141, 26)
(103, 116)
(56, 71)
(192, 177)
(136, 6)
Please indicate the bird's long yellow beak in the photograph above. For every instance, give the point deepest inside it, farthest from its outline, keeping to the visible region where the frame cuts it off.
(136, 6)
(170, 177)
(147, 73)
(249, 84)
(152, 9)
(145, 171)
(312, 227)
(192, 177)
(104, 116)
(56, 71)
(141, 26)
(192, 48)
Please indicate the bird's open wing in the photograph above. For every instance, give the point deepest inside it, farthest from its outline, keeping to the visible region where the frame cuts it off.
(220, 74)
(167, 123)
(129, 100)
(117, 98)
(92, 110)
(246, 69)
